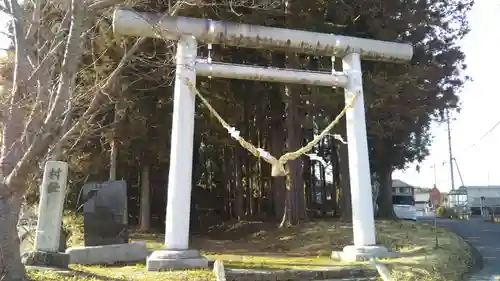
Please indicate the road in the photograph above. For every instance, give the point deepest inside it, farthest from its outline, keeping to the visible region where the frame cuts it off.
(483, 236)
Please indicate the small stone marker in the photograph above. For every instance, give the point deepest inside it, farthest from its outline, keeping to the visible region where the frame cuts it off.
(105, 213)
(219, 271)
(50, 210)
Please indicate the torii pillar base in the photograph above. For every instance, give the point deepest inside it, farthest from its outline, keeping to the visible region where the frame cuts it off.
(352, 253)
(175, 259)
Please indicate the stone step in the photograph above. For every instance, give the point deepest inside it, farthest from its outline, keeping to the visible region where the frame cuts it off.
(334, 273)
(233, 278)
(340, 273)
(351, 279)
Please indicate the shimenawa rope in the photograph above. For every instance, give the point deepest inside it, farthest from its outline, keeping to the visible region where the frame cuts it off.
(278, 165)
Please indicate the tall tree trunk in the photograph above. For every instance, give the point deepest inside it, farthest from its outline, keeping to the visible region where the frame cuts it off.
(227, 174)
(335, 177)
(11, 268)
(278, 183)
(248, 186)
(295, 200)
(145, 207)
(113, 161)
(308, 135)
(345, 185)
(238, 179)
(295, 204)
(307, 180)
(384, 200)
(277, 143)
(322, 171)
(119, 114)
(314, 183)
(342, 159)
(287, 219)
(259, 182)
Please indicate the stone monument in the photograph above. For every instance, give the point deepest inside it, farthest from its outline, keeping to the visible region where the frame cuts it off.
(105, 213)
(105, 218)
(50, 211)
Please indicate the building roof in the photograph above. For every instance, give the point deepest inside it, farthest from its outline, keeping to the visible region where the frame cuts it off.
(481, 186)
(417, 189)
(400, 183)
(422, 190)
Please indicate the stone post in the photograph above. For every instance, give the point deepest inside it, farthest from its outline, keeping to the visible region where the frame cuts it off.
(50, 212)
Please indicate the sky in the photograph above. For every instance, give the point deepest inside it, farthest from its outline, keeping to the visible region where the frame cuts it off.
(478, 160)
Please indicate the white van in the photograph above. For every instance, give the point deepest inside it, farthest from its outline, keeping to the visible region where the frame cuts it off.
(404, 206)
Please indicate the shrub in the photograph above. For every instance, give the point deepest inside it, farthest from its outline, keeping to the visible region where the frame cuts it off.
(440, 211)
(73, 227)
(443, 211)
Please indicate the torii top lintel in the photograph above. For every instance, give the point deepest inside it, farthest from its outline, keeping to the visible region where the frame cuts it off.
(130, 23)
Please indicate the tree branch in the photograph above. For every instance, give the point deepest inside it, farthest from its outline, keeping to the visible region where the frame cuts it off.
(12, 131)
(104, 4)
(5, 8)
(45, 68)
(96, 101)
(46, 136)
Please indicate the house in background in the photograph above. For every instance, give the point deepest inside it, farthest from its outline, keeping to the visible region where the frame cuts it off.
(482, 196)
(421, 195)
(403, 201)
(400, 187)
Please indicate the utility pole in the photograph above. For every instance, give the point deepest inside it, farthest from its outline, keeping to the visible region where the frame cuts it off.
(435, 175)
(450, 150)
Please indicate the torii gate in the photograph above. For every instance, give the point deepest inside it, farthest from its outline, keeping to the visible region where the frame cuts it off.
(188, 32)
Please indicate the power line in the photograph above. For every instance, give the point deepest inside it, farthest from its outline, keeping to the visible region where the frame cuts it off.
(480, 139)
(467, 148)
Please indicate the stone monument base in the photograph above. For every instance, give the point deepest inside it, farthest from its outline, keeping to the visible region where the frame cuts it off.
(108, 254)
(175, 259)
(46, 259)
(352, 253)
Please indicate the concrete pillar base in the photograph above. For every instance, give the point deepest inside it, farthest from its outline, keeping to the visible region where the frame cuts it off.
(45, 259)
(175, 259)
(108, 254)
(352, 253)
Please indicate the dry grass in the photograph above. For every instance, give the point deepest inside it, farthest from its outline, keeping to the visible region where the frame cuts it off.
(120, 273)
(271, 247)
(262, 245)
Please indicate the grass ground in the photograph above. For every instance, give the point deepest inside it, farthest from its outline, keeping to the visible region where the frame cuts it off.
(308, 246)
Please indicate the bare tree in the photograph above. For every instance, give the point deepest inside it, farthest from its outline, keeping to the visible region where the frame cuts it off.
(37, 115)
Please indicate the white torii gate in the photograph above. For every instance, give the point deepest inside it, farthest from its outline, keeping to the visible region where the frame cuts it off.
(188, 32)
